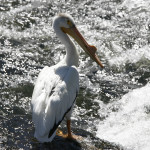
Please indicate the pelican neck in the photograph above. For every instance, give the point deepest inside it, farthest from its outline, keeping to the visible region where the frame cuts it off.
(72, 56)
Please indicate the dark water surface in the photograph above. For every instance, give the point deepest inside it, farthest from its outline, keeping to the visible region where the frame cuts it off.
(113, 104)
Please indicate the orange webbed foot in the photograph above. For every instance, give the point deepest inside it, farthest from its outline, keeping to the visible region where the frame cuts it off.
(69, 136)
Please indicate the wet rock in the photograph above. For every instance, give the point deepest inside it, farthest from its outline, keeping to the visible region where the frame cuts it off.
(68, 144)
(19, 130)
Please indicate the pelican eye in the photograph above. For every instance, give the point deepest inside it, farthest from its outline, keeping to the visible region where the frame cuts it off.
(69, 23)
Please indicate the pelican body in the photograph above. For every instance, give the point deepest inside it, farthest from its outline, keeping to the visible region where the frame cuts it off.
(56, 87)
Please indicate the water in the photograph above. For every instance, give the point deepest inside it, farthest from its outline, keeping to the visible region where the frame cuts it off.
(129, 126)
(112, 108)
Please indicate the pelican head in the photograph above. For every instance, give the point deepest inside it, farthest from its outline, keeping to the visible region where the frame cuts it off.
(67, 25)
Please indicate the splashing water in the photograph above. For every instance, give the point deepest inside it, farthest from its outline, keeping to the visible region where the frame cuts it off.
(129, 126)
(113, 103)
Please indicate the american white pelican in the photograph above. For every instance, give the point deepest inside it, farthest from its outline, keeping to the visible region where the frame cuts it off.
(56, 87)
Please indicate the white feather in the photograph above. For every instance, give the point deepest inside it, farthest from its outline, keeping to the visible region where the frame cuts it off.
(50, 110)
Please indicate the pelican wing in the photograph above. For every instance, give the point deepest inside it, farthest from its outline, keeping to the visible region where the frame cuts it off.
(54, 94)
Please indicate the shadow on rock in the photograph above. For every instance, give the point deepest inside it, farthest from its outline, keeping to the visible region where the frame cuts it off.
(58, 143)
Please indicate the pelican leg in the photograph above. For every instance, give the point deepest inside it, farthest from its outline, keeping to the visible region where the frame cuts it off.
(69, 129)
(69, 135)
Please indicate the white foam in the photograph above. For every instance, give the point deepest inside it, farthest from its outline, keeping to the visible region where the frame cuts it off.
(130, 126)
(131, 55)
(131, 4)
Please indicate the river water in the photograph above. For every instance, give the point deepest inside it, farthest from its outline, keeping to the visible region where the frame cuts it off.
(113, 104)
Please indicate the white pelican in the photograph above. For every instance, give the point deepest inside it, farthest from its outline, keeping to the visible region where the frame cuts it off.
(56, 87)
